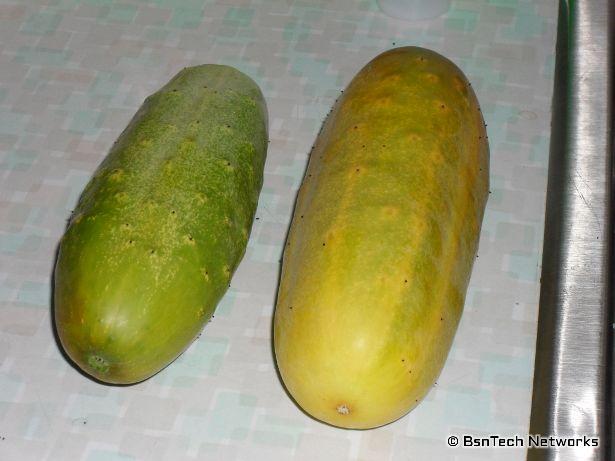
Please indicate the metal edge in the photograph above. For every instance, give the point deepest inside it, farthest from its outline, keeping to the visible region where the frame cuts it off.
(573, 366)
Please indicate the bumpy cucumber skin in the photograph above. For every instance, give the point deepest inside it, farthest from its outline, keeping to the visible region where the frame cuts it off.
(160, 228)
(382, 241)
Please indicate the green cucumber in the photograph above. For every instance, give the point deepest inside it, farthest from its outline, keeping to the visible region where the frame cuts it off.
(159, 230)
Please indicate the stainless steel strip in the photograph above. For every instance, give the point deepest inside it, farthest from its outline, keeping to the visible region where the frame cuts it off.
(571, 396)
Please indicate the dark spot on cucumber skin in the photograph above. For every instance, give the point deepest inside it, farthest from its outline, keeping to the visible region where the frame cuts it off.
(116, 174)
(151, 252)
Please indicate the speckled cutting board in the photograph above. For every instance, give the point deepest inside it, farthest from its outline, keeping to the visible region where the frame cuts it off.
(72, 74)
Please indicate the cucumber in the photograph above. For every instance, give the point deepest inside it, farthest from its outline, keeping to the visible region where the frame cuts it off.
(382, 241)
(160, 228)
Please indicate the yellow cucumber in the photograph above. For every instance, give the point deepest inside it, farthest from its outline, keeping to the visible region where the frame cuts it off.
(382, 241)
